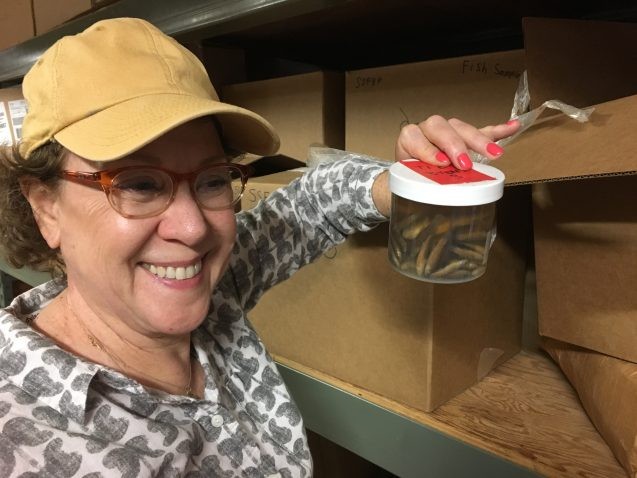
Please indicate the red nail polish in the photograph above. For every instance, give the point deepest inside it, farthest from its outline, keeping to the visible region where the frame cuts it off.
(513, 121)
(464, 161)
(442, 158)
(494, 150)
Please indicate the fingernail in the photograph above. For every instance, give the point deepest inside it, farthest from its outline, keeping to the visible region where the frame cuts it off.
(464, 161)
(494, 150)
(513, 121)
(442, 158)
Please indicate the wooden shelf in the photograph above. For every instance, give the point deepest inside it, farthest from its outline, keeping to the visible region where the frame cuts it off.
(524, 412)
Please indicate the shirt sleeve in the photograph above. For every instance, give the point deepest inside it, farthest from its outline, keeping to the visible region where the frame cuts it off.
(297, 223)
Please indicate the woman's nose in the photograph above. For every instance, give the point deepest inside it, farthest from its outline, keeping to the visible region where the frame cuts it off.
(183, 220)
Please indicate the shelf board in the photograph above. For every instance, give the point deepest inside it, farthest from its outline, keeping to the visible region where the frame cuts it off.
(187, 19)
(332, 34)
(523, 419)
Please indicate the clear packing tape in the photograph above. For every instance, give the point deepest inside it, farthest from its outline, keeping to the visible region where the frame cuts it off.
(520, 112)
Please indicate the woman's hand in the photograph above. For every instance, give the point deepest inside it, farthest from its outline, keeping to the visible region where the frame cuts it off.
(442, 142)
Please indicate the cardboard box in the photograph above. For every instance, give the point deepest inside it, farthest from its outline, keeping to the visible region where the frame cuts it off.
(49, 14)
(304, 109)
(350, 315)
(586, 251)
(13, 109)
(478, 89)
(607, 388)
(557, 69)
(585, 230)
(16, 22)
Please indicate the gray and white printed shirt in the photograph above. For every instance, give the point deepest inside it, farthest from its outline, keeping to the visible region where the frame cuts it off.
(63, 416)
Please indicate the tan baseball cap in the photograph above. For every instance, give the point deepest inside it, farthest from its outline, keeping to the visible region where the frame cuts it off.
(120, 84)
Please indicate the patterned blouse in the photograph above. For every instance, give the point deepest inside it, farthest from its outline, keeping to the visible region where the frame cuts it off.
(63, 416)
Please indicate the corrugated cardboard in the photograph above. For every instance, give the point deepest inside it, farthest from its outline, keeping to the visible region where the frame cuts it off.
(12, 112)
(16, 22)
(352, 316)
(49, 14)
(560, 148)
(585, 257)
(304, 109)
(585, 230)
(607, 388)
(580, 62)
(478, 89)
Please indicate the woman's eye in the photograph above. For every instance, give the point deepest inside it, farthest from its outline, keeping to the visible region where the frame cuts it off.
(212, 184)
(139, 184)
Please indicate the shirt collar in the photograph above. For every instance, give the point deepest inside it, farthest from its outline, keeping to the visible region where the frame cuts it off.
(32, 362)
(40, 370)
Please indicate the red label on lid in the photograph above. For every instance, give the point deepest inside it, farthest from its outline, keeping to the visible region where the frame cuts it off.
(446, 174)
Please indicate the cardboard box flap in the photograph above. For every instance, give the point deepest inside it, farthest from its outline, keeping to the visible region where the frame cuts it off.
(607, 388)
(559, 147)
(580, 62)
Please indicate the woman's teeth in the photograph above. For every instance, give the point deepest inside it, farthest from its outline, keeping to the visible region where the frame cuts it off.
(177, 273)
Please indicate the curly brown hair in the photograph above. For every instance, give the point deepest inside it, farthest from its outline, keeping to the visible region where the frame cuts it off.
(20, 239)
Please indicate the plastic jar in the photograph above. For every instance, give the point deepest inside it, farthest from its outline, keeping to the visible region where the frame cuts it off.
(443, 220)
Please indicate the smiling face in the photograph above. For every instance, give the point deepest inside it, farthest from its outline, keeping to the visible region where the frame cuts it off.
(154, 274)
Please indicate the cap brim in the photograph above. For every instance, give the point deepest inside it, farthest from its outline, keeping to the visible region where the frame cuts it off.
(128, 126)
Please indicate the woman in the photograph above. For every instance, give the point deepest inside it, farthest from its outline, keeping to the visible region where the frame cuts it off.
(138, 360)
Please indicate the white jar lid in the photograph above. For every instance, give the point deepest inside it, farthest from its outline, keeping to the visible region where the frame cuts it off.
(412, 179)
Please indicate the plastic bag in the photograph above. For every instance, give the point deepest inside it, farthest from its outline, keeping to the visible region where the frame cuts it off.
(520, 111)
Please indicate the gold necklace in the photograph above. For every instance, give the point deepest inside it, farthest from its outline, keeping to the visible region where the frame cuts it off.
(95, 342)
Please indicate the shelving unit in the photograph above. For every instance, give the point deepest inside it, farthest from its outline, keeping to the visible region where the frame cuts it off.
(523, 419)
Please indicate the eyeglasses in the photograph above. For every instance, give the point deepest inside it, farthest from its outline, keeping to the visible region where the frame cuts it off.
(145, 191)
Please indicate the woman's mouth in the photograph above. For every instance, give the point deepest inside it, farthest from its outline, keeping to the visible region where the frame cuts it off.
(173, 272)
